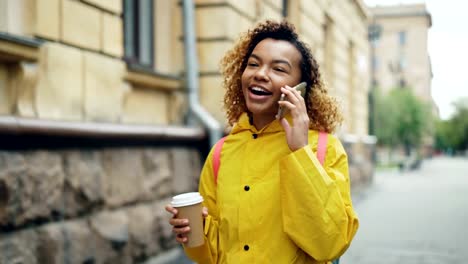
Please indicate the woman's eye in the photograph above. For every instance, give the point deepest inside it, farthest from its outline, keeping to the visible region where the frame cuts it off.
(252, 64)
(279, 69)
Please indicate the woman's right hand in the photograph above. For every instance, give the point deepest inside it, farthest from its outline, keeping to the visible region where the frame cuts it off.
(181, 227)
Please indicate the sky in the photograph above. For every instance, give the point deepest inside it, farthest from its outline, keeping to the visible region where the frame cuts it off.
(448, 49)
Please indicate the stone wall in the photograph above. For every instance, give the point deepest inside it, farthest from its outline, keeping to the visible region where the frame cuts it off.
(101, 205)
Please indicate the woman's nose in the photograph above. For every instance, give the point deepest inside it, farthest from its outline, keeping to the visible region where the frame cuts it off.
(262, 74)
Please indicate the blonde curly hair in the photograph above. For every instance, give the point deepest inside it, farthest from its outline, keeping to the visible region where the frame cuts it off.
(322, 109)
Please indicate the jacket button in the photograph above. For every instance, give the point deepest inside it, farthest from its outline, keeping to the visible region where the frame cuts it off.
(246, 247)
(246, 188)
(254, 136)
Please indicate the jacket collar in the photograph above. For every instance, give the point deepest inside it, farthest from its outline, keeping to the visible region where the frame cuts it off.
(243, 124)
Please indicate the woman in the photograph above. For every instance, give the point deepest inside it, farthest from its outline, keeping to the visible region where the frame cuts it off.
(273, 202)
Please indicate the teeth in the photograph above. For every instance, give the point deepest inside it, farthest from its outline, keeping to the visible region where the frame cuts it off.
(259, 89)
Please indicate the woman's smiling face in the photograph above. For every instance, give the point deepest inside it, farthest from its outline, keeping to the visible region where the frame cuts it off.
(272, 65)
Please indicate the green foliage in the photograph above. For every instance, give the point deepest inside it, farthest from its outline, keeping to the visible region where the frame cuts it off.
(452, 134)
(401, 119)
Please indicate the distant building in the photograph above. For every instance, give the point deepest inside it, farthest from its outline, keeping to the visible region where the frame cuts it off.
(399, 54)
(399, 51)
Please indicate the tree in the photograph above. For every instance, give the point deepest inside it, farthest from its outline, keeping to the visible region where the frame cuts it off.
(452, 134)
(402, 119)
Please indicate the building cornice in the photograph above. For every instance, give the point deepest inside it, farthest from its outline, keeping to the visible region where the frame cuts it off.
(363, 8)
(17, 48)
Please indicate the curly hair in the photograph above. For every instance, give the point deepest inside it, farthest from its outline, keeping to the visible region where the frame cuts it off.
(322, 109)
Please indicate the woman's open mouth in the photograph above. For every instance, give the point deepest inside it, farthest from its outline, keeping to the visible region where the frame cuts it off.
(259, 92)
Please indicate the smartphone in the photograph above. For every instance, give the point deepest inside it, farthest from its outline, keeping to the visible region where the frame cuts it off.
(301, 88)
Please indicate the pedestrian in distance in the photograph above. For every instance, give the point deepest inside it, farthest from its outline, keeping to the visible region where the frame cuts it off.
(269, 196)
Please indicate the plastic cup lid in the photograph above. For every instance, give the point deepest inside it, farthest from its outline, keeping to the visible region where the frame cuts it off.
(186, 199)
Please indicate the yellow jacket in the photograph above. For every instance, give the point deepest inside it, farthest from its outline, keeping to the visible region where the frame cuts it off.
(271, 205)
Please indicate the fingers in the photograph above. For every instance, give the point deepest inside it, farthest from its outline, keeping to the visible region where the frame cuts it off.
(181, 231)
(204, 212)
(171, 210)
(177, 222)
(292, 94)
(181, 239)
(180, 227)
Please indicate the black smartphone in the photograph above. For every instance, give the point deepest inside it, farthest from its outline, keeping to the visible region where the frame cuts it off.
(301, 88)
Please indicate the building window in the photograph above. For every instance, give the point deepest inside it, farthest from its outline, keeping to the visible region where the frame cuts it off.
(138, 32)
(375, 63)
(402, 63)
(285, 8)
(402, 38)
(374, 32)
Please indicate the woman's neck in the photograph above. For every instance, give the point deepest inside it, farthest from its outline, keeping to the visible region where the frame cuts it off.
(260, 121)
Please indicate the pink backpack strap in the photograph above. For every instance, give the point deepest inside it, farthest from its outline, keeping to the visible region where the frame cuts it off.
(216, 158)
(322, 147)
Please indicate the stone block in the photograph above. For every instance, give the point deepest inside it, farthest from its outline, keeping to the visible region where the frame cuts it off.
(167, 237)
(210, 53)
(277, 4)
(270, 12)
(85, 181)
(103, 88)
(163, 26)
(59, 92)
(185, 171)
(246, 7)
(6, 100)
(125, 176)
(114, 6)
(76, 242)
(145, 106)
(178, 107)
(112, 35)
(48, 19)
(144, 233)
(34, 182)
(112, 226)
(208, 25)
(81, 25)
(208, 21)
(19, 247)
(3, 16)
(211, 96)
(313, 10)
(113, 230)
(23, 80)
(17, 17)
(157, 173)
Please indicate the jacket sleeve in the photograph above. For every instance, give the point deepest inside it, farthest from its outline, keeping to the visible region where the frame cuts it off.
(208, 252)
(316, 202)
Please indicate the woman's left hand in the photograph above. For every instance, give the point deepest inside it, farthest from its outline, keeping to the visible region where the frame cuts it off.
(297, 132)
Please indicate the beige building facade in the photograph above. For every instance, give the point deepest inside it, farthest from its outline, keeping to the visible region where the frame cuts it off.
(81, 51)
(335, 30)
(94, 138)
(401, 55)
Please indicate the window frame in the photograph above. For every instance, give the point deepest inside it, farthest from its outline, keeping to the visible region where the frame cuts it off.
(138, 45)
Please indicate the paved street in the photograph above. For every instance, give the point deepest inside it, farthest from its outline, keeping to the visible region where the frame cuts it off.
(414, 217)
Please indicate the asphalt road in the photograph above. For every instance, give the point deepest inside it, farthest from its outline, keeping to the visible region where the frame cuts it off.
(414, 217)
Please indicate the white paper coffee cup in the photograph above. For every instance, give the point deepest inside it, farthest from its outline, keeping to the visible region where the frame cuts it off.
(189, 206)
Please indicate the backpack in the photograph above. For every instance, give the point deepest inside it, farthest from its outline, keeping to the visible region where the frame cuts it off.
(321, 151)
